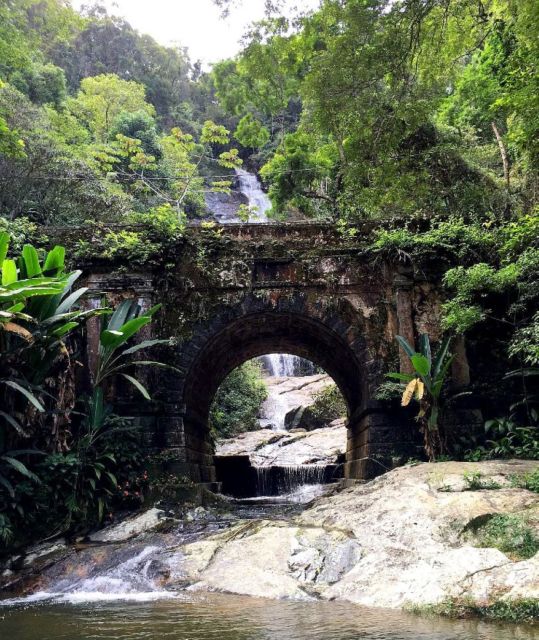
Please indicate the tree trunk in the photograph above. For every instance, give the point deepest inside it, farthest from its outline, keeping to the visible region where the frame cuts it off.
(503, 154)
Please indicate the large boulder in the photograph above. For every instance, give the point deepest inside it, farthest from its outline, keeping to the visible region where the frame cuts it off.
(400, 539)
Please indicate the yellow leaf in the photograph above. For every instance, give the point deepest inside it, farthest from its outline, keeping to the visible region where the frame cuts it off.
(20, 331)
(420, 390)
(409, 392)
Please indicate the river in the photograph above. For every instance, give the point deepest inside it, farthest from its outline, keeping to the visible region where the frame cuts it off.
(198, 616)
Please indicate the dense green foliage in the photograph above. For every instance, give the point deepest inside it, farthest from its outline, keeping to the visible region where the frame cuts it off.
(419, 115)
(511, 534)
(65, 460)
(328, 405)
(236, 406)
(423, 115)
(98, 121)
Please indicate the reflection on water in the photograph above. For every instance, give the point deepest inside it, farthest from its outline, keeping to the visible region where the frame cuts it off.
(209, 616)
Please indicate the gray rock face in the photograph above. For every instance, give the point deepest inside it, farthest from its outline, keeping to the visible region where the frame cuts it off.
(289, 397)
(130, 528)
(394, 541)
(282, 448)
(401, 539)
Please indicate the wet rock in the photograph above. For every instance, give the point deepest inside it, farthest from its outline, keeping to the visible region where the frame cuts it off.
(264, 448)
(390, 542)
(403, 538)
(289, 397)
(131, 527)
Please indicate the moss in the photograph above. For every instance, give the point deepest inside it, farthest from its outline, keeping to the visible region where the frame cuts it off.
(521, 610)
(510, 533)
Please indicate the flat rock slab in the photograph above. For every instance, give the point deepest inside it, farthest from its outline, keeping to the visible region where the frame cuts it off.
(394, 541)
(284, 448)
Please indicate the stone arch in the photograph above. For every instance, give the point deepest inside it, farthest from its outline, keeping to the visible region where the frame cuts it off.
(327, 336)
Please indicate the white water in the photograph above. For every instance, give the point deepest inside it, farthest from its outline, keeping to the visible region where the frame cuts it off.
(129, 580)
(280, 365)
(276, 406)
(274, 410)
(252, 189)
(288, 480)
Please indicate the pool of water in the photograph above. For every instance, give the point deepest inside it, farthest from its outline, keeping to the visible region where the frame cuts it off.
(199, 616)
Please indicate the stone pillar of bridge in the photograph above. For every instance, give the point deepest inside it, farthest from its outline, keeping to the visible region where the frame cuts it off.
(380, 437)
(382, 434)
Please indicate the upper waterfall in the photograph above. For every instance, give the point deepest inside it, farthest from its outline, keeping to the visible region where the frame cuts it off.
(224, 206)
(252, 189)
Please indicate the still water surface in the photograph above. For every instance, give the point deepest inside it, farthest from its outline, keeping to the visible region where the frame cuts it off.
(224, 617)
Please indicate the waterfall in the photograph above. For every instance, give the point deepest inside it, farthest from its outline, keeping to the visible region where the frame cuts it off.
(281, 365)
(274, 410)
(277, 480)
(252, 189)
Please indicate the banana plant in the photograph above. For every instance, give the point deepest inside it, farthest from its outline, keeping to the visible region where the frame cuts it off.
(115, 356)
(37, 314)
(425, 386)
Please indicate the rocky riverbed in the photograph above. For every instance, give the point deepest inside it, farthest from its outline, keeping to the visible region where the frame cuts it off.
(411, 536)
(266, 447)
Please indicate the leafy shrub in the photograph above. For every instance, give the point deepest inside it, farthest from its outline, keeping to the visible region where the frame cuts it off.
(475, 482)
(522, 610)
(529, 481)
(453, 242)
(236, 406)
(328, 405)
(508, 440)
(22, 231)
(389, 391)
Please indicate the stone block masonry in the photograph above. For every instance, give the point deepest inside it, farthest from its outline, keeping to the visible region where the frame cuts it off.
(240, 291)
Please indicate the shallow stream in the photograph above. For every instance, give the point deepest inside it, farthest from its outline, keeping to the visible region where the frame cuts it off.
(196, 616)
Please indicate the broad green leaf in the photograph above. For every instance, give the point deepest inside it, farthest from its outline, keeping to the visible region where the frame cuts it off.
(28, 395)
(64, 329)
(146, 344)
(421, 364)
(20, 467)
(424, 346)
(119, 317)
(440, 357)
(109, 338)
(524, 373)
(140, 387)
(9, 272)
(55, 260)
(145, 363)
(11, 420)
(152, 311)
(122, 335)
(71, 300)
(23, 292)
(7, 484)
(31, 261)
(406, 346)
(403, 377)
(16, 308)
(4, 245)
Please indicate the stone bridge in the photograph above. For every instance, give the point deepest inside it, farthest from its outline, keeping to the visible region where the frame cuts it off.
(232, 293)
